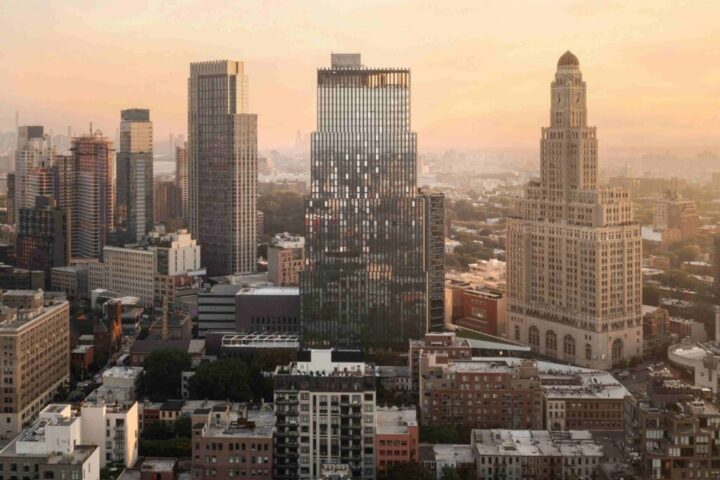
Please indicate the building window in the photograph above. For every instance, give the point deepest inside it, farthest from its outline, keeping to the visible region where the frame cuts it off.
(569, 345)
(517, 332)
(588, 352)
(550, 340)
(534, 336)
(617, 351)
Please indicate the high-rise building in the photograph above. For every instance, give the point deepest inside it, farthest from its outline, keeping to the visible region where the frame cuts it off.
(716, 270)
(168, 201)
(222, 160)
(367, 275)
(34, 150)
(181, 176)
(43, 237)
(574, 251)
(86, 191)
(36, 355)
(134, 188)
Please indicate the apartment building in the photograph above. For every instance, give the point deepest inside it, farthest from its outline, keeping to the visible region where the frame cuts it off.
(286, 259)
(233, 443)
(679, 442)
(536, 454)
(446, 343)
(397, 438)
(324, 413)
(112, 425)
(52, 448)
(35, 340)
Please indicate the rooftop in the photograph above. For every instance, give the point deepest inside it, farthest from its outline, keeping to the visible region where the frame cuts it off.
(395, 421)
(535, 443)
(454, 454)
(270, 290)
(259, 422)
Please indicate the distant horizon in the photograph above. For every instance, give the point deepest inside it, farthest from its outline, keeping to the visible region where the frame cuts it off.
(481, 73)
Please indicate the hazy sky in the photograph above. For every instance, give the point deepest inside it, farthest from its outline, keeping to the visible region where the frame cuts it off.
(481, 69)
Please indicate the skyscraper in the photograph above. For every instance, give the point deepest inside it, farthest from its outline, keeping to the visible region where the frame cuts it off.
(34, 150)
(43, 237)
(181, 176)
(222, 159)
(86, 191)
(367, 269)
(134, 188)
(574, 251)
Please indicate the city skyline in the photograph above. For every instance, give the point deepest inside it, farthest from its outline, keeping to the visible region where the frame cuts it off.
(476, 83)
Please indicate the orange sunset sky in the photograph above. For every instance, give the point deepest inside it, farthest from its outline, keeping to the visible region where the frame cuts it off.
(481, 69)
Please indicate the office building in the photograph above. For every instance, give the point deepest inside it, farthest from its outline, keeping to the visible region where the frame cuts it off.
(366, 281)
(134, 169)
(324, 413)
(11, 201)
(397, 439)
(222, 160)
(43, 237)
(286, 259)
(536, 454)
(86, 191)
(716, 268)
(129, 271)
(181, 176)
(482, 310)
(233, 441)
(168, 200)
(73, 280)
(52, 448)
(36, 355)
(574, 251)
(12, 278)
(267, 309)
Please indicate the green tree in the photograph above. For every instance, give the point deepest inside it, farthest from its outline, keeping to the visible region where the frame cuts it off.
(162, 373)
(183, 427)
(227, 379)
(450, 474)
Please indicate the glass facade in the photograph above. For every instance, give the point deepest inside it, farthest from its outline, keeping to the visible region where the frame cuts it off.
(365, 281)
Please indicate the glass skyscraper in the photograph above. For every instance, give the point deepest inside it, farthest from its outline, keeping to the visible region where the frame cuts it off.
(366, 281)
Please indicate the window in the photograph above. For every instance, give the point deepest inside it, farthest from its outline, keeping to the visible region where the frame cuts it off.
(550, 340)
(533, 336)
(588, 352)
(517, 332)
(569, 345)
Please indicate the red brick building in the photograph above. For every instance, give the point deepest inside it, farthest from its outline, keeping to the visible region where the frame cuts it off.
(397, 438)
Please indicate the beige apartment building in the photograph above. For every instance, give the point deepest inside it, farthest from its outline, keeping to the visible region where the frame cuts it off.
(286, 257)
(574, 251)
(35, 341)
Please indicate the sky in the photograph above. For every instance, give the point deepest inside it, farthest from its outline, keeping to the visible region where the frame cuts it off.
(481, 70)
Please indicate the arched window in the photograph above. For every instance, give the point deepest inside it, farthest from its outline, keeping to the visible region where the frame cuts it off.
(569, 345)
(550, 340)
(534, 336)
(517, 332)
(588, 351)
(617, 351)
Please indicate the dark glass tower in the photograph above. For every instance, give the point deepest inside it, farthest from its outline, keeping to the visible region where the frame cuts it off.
(366, 278)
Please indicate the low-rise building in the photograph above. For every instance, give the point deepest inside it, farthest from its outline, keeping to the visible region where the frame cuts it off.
(73, 280)
(395, 378)
(397, 438)
(230, 443)
(268, 309)
(539, 454)
(52, 448)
